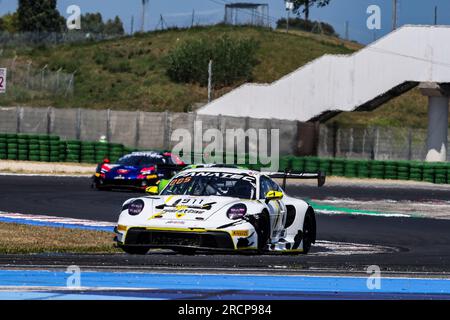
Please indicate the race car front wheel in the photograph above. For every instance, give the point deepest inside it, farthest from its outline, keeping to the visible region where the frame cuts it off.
(135, 250)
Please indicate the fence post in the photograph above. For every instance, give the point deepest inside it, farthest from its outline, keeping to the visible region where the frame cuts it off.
(78, 125)
(335, 138)
(28, 74)
(167, 130)
(19, 118)
(322, 144)
(363, 149)
(49, 120)
(410, 137)
(351, 142)
(210, 66)
(316, 138)
(57, 80)
(43, 76)
(375, 144)
(108, 125)
(137, 134)
(69, 88)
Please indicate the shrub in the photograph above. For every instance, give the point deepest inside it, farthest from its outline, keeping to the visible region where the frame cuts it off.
(307, 25)
(233, 60)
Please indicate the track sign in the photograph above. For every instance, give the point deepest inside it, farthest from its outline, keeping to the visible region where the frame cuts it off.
(2, 80)
(289, 5)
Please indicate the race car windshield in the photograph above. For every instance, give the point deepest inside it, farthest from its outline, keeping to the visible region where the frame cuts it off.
(137, 161)
(216, 184)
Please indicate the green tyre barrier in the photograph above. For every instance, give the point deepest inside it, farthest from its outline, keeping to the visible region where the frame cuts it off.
(284, 163)
(325, 166)
(298, 164)
(337, 167)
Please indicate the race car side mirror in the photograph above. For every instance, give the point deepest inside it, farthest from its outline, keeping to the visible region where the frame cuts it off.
(152, 190)
(274, 195)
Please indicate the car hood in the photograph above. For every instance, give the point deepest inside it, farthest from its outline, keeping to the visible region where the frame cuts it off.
(123, 170)
(189, 207)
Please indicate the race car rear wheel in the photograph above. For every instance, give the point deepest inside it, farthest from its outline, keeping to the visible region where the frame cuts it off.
(309, 231)
(263, 230)
(135, 250)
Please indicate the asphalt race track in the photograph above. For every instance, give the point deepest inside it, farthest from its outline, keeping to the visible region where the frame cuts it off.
(416, 245)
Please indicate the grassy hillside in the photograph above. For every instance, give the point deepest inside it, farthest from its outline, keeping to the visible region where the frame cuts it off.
(130, 73)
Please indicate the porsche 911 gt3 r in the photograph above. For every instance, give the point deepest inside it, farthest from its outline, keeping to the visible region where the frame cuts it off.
(218, 209)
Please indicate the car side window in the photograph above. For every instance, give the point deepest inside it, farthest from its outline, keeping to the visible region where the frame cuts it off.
(274, 186)
(265, 186)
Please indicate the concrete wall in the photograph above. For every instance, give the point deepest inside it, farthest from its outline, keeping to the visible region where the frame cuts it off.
(143, 130)
(153, 130)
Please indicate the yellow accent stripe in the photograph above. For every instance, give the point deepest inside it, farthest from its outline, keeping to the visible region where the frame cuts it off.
(168, 199)
(121, 228)
(156, 215)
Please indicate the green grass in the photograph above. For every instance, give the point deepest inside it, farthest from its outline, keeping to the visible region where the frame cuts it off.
(17, 238)
(408, 110)
(130, 73)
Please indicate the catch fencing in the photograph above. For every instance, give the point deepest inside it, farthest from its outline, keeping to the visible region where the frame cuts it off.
(373, 143)
(24, 78)
(33, 39)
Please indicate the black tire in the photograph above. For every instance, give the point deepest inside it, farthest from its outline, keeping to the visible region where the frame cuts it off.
(309, 230)
(263, 229)
(100, 187)
(185, 251)
(135, 250)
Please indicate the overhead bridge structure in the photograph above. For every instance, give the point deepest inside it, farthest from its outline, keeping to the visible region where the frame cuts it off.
(404, 59)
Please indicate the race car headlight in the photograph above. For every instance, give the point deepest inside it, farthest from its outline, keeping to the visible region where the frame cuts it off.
(147, 171)
(136, 207)
(237, 211)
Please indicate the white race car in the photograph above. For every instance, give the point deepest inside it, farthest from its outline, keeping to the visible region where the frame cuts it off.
(219, 208)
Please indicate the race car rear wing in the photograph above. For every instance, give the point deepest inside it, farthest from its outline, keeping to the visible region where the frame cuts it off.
(320, 176)
(174, 167)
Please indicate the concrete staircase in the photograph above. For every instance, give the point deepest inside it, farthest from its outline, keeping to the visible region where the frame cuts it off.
(334, 83)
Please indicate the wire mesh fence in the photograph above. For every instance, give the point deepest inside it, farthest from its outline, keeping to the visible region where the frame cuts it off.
(32, 80)
(375, 143)
(31, 39)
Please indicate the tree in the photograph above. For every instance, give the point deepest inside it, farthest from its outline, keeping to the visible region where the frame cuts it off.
(93, 23)
(9, 23)
(39, 16)
(305, 5)
(233, 60)
(308, 26)
(114, 27)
